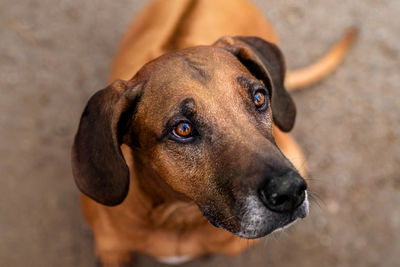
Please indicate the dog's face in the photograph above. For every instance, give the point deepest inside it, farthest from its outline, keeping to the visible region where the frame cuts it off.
(199, 120)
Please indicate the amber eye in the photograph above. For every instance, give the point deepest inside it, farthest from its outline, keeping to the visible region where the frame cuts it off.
(183, 129)
(259, 99)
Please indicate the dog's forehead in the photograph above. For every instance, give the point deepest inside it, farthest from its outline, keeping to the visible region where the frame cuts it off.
(203, 73)
(202, 65)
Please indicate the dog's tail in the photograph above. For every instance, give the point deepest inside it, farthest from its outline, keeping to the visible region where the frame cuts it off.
(313, 73)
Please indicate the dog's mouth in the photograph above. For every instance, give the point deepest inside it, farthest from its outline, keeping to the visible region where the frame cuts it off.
(255, 220)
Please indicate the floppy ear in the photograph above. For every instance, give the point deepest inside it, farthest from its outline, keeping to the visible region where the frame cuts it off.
(98, 165)
(265, 61)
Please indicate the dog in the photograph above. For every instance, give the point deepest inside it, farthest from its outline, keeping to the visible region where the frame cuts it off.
(186, 152)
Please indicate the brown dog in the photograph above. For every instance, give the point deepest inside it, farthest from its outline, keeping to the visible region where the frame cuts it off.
(191, 139)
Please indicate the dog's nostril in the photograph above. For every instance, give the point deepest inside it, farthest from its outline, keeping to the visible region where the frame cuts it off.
(278, 200)
(300, 197)
(301, 192)
(303, 187)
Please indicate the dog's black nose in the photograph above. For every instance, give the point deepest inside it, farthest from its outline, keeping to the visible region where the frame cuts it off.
(284, 193)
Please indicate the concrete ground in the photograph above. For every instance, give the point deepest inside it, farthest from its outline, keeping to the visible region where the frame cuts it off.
(54, 54)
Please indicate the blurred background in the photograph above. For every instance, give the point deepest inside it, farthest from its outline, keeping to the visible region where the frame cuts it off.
(55, 54)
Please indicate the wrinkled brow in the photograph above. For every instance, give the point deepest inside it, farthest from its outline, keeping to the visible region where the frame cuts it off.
(249, 83)
(188, 107)
(196, 69)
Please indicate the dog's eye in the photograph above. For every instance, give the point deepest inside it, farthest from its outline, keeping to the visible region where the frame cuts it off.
(183, 129)
(260, 100)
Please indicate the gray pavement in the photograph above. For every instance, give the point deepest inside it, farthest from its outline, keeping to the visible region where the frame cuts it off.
(54, 54)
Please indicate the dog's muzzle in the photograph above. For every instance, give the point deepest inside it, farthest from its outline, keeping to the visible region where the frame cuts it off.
(280, 200)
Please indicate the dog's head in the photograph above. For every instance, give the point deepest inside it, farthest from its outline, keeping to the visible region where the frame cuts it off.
(200, 121)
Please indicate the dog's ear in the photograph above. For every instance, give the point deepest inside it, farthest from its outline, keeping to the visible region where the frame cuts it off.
(265, 61)
(98, 165)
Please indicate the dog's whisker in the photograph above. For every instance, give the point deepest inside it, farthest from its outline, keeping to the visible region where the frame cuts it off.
(228, 219)
(313, 179)
(315, 198)
(265, 243)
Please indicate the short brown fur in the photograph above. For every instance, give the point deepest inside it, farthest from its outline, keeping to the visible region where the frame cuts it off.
(157, 217)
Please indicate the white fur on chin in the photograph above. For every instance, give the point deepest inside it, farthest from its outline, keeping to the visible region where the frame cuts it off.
(175, 259)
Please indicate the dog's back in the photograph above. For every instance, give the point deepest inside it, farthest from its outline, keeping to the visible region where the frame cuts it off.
(174, 24)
